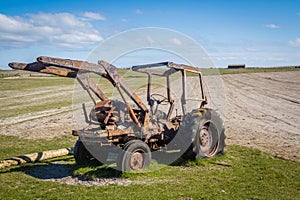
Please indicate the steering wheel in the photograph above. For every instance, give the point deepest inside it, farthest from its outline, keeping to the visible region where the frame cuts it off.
(160, 99)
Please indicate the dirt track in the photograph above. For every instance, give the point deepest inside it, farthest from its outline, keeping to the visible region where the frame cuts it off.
(262, 111)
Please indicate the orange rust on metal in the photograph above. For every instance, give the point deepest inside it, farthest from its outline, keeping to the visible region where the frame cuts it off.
(74, 68)
(109, 116)
(39, 67)
(155, 129)
(117, 79)
(115, 140)
(65, 68)
(34, 67)
(170, 99)
(152, 69)
(87, 83)
(146, 120)
(64, 62)
(136, 161)
(58, 72)
(117, 132)
(72, 64)
(145, 68)
(104, 126)
(104, 112)
(132, 115)
(184, 67)
(110, 127)
(19, 66)
(153, 140)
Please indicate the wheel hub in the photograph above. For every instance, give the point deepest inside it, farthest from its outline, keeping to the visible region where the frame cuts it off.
(205, 140)
(136, 161)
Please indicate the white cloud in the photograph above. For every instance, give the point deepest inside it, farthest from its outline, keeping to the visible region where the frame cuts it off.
(60, 29)
(272, 26)
(94, 16)
(175, 41)
(295, 42)
(124, 20)
(298, 13)
(139, 12)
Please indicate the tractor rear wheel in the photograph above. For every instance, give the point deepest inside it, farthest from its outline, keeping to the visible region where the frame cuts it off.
(207, 132)
(135, 155)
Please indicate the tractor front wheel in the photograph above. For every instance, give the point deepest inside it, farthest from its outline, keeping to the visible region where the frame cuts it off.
(135, 155)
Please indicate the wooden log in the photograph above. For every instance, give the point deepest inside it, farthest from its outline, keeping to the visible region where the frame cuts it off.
(35, 157)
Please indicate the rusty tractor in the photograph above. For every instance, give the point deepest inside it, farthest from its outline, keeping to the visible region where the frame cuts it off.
(136, 130)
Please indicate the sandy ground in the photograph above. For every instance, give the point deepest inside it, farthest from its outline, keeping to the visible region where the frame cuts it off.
(40, 125)
(263, 111)
(47, 123)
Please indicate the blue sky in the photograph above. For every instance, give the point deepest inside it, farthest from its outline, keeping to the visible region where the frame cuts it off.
(256, 33)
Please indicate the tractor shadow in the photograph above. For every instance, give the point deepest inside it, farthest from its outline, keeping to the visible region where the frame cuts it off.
(61, 168)
(47, 171)
(52, 169)
(65, 168)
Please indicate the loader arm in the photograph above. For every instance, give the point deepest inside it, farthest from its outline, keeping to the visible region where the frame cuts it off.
(82, 78)
(107, 71)
(79, 70)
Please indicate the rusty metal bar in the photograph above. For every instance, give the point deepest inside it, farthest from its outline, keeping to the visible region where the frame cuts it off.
(184, 67)
(116, 79)
(41, 68)
(88, 84)
(129, 108)
(170, 99)
(143, 68)
(149, 89)
(148, 69)
(202, 92)
(71, 68)
(76, 65)
(169, 89)
(65, 68)
(72, 64)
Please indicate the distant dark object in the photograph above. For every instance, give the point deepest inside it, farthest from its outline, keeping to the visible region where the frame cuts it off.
(297, 66)
(236, 66)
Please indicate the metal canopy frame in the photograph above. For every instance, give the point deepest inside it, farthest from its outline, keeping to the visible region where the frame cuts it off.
(171, 69)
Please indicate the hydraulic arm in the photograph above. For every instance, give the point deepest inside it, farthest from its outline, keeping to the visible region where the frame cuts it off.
(79, 70)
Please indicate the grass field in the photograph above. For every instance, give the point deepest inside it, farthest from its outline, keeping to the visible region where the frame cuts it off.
(242, 173)
(17, 95)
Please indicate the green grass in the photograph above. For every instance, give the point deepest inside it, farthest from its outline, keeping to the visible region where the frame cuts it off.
(23, 84)
(18, 95)
(14, 146)
(248, 174)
